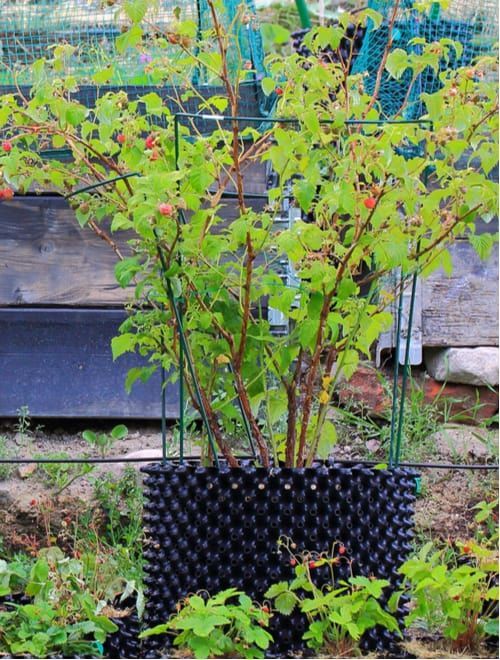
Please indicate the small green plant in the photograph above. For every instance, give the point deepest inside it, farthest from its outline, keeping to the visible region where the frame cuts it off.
(453, 595)
(103, 442)
(23, 425)
(13, 576)
(228, 624)
(121, 501)
(338, 611)
(63, 617)
(5, 469)
(487, 518)
(60, 476)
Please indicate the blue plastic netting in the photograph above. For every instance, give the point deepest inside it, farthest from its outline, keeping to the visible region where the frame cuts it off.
(473, 23)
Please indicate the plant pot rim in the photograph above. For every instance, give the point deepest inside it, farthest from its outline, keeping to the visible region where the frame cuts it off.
(248, 465)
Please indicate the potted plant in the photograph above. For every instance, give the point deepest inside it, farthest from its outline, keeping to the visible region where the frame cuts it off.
(347, 204)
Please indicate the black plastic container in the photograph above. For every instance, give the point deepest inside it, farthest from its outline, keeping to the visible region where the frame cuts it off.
(210, 529)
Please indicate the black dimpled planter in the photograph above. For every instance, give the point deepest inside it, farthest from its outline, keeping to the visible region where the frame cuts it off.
(211, 529)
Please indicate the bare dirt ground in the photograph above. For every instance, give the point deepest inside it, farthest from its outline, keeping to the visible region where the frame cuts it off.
(444, 508)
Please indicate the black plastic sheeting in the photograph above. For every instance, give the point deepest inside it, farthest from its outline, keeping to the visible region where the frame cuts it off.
(212, 529)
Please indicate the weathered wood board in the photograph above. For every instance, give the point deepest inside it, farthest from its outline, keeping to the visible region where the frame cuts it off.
(58, 363)
(47, 259)
(462, 309)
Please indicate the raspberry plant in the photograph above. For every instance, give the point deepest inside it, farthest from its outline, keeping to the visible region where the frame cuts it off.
(360, 188)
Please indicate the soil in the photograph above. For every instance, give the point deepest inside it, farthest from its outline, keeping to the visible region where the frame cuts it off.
(443, 510)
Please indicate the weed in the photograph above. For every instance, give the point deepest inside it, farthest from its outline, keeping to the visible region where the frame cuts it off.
(103, 442)
(60, 476)
(6, 470)
(421, 421)
(63, 615)
(121, 500)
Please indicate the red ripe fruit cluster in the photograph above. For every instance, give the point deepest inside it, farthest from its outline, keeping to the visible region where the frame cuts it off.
(370, 202)
(7, 146)
(120, 138)
(278, 91)
(6, 193)
(150, 142)
(293, 562)
(342, 550)
(166, 209)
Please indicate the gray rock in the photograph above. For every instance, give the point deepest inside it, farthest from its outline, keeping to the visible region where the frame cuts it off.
(469, 366)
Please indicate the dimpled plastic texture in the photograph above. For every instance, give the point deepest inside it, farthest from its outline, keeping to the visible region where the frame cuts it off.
(210, 529)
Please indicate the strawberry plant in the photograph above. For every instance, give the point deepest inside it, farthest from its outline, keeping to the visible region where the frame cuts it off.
(370, 197)
(228, 624)
(61, 616)
(338, 611)
(457, 598)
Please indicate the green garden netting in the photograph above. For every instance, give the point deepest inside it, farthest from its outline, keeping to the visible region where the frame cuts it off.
(474, 23)
(29, 30)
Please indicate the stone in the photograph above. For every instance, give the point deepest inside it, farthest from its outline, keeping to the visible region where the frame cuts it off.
(467, 366)
(462, 403)
(365, 390)
(369, 393)
(25, 471)
(465, 443)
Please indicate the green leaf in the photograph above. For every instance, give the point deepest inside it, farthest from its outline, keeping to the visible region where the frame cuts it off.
(272, 33)
(136, 9)
(374, 16)
(119, 432)
(161, 629)
(268, 86)
(89, 436)
(128, 39)
(124, 343)
(153, 103)
(305, 192)
(397, 63)
(308, 331)
(491, 627)
(75, 114)
(327, 439)
(126, 269)
(276, 589)
(104, 76)
(138, 373)
(285, 603)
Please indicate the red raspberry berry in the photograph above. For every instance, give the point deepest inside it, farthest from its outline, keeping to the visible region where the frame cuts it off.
(154, 155)
(7, 145)
(120, 138)
(293, 562)
(370, 202)
(278, 91)
(312, 564)
(466, 549)
(6, 193)
(342, 550)
(150, 142)
(166, 209)
(265, 609)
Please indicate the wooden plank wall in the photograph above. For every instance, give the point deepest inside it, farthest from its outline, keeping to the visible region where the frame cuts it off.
(462, 309)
